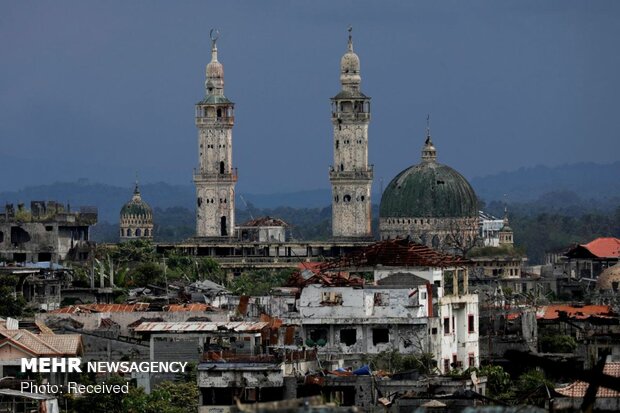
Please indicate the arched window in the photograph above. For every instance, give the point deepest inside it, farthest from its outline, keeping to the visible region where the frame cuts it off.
(146, 232)
(346, 198)
(435, 242)
(222, 167)
(138, 232)
(122, 232)
(219, 113)
(129, 232)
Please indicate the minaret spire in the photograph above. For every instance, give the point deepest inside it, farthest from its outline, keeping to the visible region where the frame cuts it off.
(215, 71)
(429, 153)
(350, 46)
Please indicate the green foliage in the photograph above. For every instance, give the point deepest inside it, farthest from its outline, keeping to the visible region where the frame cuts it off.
(557, 343)
(134, 251)
(499, 384)
(147, 273)
(259, 282)
(168, 397)
(393, 361)
(11, 304)
(530, 387)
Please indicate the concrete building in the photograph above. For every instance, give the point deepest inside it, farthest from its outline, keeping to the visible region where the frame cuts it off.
(431, 204)
(48, 232)
(215, 177)
(350, 175)
(419, 304)
(265, 229)
(136, 219)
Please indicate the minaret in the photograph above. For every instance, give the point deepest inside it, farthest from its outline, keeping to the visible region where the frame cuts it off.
(350, 176)
(505, 233)
(215, 178)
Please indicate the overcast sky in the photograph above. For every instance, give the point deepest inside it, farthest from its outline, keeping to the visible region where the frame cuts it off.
(103, 90)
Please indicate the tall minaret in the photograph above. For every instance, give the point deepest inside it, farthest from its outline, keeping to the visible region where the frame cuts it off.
(350, 176)
(215, 178)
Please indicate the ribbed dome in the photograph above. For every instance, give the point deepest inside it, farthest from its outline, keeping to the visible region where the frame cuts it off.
(350, 63)
(137, 207)
(215, 70)
(429, 189)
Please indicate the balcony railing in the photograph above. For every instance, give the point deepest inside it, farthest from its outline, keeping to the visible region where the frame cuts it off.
(223, 120)
(214, 176)
(355, 174)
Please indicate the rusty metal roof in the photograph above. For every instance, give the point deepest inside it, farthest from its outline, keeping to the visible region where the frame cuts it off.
(201, 326)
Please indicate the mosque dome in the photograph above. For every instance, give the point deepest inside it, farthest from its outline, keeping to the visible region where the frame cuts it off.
(136, 206)
(429, 189)
(136, 218)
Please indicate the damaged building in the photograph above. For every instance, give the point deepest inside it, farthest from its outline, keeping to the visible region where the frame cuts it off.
(48, 232)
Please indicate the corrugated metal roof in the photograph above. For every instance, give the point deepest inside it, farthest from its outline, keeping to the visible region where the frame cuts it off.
(102, 308)
(201, 326)
(604, 247)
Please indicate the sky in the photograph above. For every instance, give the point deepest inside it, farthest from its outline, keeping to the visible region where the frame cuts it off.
(105, 90)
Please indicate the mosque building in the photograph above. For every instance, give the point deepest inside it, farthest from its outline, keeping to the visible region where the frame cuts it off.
(431, 204)
(136, 219)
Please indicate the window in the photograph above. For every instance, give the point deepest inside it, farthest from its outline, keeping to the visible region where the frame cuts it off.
(346, 198)
(380, 335)
(446, 365)
(446, 325)
(348, 336)
(434, 330)
(382, 299)
(472, 360)
(471, 323)
(423, 295)
(331, 298)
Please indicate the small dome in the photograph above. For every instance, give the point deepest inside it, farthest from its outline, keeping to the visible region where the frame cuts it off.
(429, 189)
(137, 207)
(609, 279)
(350, 63)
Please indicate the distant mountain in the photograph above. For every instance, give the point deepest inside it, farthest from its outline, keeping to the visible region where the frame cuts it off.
(587, 180)
(563, 186)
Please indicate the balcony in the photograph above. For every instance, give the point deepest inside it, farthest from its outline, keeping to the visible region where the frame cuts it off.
(215, 177)
(223, 120)
(365, 174)
(349, 116)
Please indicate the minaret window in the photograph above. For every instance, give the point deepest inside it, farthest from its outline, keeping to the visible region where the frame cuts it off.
(219, 113)
(346, 198)
(223, 230)
(221, 167)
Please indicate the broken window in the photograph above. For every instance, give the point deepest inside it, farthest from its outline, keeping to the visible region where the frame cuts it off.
(471, 327)
(446, 325)
(44, 257)
(19, 235)
(331, 298)
(472, 360)
(380, 335)
(434, 330)
(318, 336)
(382, 299)
(348, 336)
(446, 365)
(49, 228)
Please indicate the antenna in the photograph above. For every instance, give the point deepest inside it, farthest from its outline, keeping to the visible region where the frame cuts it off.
(246, 206)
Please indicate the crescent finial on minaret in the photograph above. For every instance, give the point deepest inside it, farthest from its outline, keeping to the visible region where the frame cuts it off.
(214, 34)
(350, 29)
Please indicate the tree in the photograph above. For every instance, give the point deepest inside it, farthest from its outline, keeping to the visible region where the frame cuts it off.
(147, 273)
(11, 304)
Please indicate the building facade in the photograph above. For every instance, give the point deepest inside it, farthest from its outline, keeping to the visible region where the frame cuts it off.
(351, 175)
(215, 177)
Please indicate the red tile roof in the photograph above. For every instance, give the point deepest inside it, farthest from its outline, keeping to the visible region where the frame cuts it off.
(552, 312)
(604, 247)
(578, 388)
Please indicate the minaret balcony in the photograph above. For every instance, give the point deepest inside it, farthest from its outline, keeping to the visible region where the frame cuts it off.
(207, 176)
(219, 121)
(361, 174)
(350, 116)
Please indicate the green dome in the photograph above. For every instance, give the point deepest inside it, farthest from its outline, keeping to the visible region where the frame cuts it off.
(136, 206)
(429, 189)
